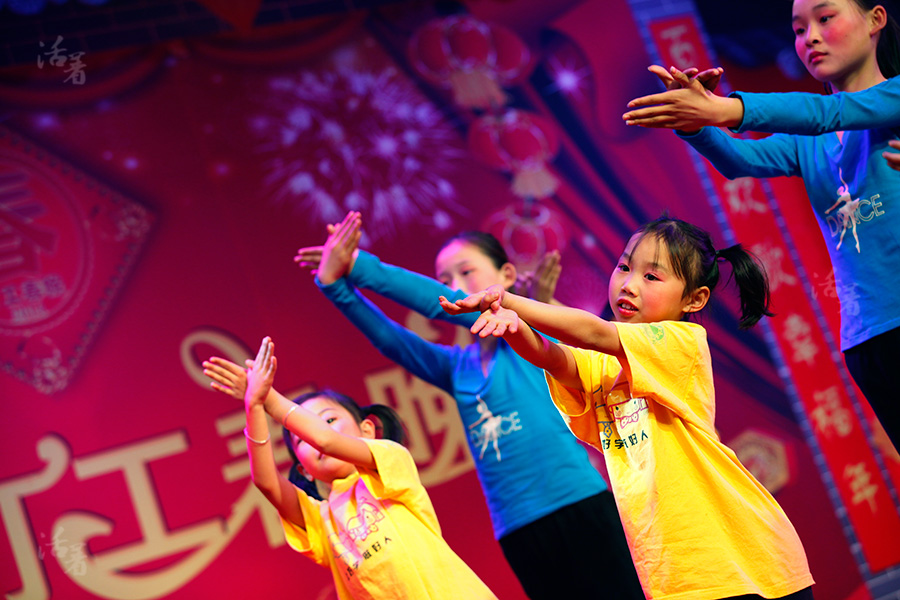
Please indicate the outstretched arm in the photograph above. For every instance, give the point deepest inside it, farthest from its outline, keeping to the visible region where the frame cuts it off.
(305, 424)
(263, 470)
(525, 341)
(803, 113)
(363, 270)
(799, 113)
(572, 326)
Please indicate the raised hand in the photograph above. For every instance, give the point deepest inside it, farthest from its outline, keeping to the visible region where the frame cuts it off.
(542, 283)
(228, 378)
(709, 78)
(687, 105)
(261, 374)
(477, 302)
(893, 158)
(310, 257)
(340, 249)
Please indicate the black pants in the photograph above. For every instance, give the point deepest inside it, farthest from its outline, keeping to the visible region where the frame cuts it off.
(578, 551)
(805, 594)
(875, 367)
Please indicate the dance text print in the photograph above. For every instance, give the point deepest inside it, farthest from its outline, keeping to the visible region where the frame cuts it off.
(848, 212)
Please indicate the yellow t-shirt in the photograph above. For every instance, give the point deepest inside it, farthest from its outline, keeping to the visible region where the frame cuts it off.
(380, 537)
(699, 524)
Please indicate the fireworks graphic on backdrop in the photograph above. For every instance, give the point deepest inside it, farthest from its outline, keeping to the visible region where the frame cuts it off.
(347, 137)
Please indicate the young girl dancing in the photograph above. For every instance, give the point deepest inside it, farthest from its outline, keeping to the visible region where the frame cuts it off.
(377, 530)
(842, 145)
(640, 390)
(551, 511)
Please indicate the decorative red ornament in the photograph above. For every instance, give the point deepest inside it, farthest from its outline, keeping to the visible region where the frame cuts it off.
(471, 57)
(519, 142)
(528, 230)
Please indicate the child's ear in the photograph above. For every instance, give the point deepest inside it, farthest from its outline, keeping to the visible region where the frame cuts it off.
(696, 300)
(877, 19)
(368, 429)
(508, 274)
(303, 472)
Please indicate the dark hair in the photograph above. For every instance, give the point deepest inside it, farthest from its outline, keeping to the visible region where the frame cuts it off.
(386, 418)
(888, 51)
(485, 242)
(696, 262)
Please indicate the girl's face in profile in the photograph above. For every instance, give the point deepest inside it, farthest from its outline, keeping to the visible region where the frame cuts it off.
(462, 266)
(321, 466)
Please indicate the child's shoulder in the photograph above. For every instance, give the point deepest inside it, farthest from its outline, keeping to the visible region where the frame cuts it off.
(389, 445)
(384, 449)
(663, 338)
(659, 329)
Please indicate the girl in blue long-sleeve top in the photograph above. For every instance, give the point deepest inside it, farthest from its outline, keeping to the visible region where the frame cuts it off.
(843, 145)
(551, 511)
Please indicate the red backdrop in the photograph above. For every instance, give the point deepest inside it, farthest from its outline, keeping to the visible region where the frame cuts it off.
(151, 217)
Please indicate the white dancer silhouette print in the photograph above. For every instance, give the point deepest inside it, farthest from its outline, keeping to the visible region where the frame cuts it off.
(492, 428)
(848, 213)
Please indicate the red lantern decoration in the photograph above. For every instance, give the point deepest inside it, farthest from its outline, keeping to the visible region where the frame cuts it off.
(528, 230)
(471, 57)
(521, 143)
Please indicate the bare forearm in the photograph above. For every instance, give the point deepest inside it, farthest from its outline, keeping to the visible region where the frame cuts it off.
(531, 346)
(263, 470)
(314, 431)
(730, 112)
(569, 325)
(544, 354)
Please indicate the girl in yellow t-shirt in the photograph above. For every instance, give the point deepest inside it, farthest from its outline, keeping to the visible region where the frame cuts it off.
(640, 390)
(377, 530)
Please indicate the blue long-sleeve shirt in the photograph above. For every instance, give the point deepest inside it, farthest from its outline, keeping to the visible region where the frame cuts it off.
(536, 466)
(854, 194)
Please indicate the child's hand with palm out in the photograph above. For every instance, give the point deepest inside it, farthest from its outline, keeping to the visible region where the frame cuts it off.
(339, 249)
(261, 375)
(228, 378)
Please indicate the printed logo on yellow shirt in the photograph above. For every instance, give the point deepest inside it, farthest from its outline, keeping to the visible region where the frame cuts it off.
(353, 556)
(654, 332)
(356, 544)
(621, 428)
(360, 526)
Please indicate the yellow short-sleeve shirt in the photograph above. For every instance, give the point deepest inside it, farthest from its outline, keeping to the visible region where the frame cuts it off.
(379, 535)
(699, 525)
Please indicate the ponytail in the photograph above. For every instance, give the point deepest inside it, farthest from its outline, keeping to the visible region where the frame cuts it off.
(753, 286)
(391, 426)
